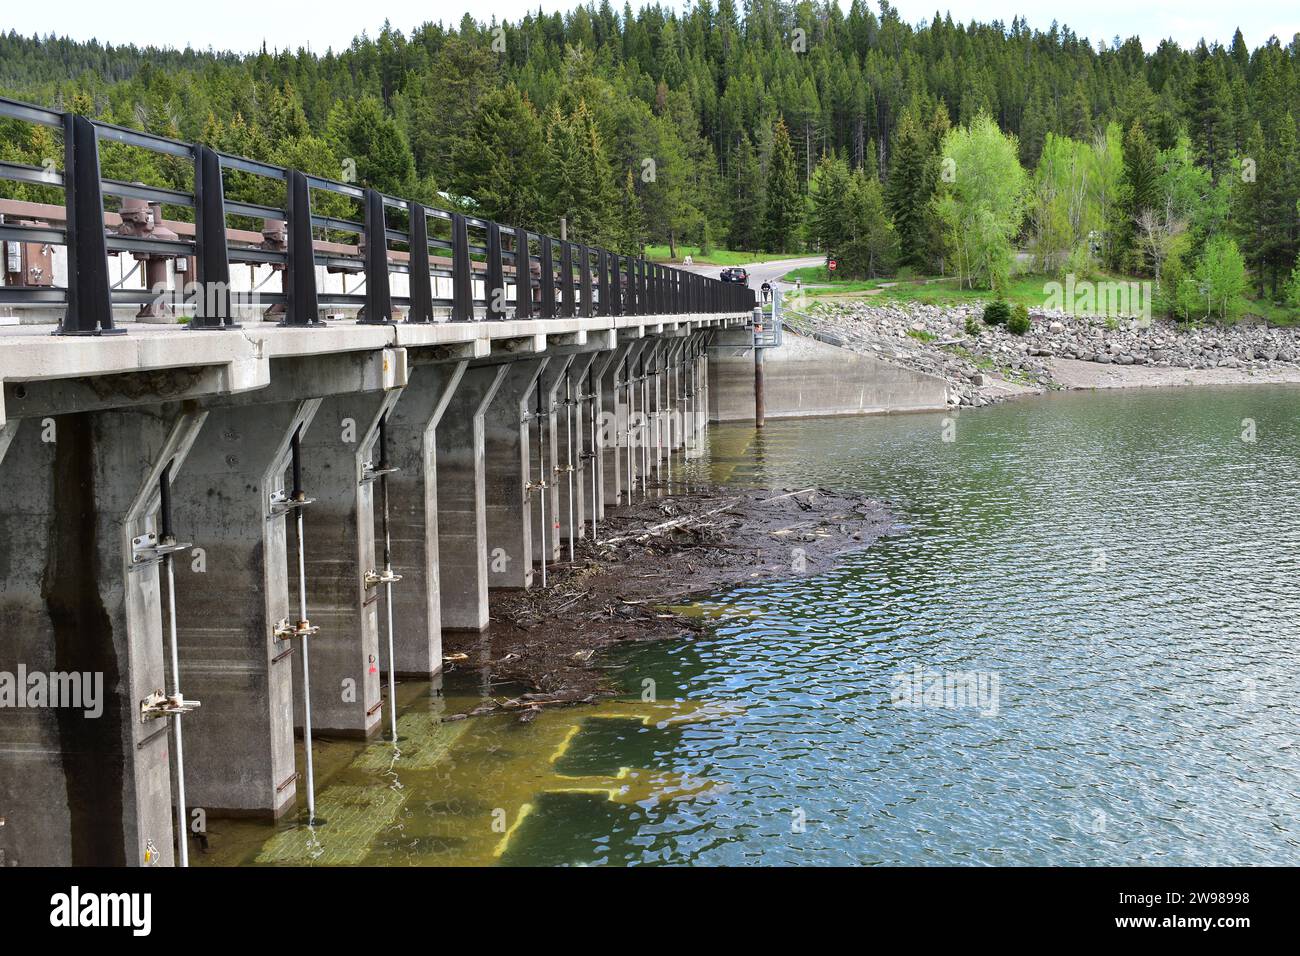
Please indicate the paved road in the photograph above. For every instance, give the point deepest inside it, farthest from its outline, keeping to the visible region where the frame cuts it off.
(760, 272)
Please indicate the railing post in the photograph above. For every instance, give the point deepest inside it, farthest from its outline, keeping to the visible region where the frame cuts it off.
(90, 299)
(629, 289)
(548, 279)
(379, 299)
(523, 276)
(301, 309)
(462, 280)
(212, 311)
(584, 276)
(606, 305)
(643, 287)
(566, 279)
(633, 306)
(421, 281)
(495, 288)
(616, 300)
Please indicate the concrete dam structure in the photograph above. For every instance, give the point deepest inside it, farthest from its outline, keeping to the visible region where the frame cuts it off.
(212, 515)
(501, 441)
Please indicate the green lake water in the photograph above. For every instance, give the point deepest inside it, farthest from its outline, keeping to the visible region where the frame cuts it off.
(1078, 646)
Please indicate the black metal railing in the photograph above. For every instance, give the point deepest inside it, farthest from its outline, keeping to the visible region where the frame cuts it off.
(488, 271)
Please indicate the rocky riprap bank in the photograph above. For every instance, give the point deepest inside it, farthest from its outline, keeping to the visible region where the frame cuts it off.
(932, 338)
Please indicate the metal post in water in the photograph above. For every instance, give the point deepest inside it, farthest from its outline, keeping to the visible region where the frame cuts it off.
(299, 497)
(541, 471)
(389, 578)
(684, 396)
(568, 432)
(627, 431)
(595, 451)
(658, 419)
(167, 538)
(643, 429)
(759, 409)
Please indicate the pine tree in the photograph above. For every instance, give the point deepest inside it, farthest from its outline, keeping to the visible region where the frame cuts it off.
(828, 194)
(913, 174)
(784, 207)
(1079, 113)
(362, 132)
(1139, 191)
(631, 220)
(747, 197)
(1209, 114)
(869, 245)
(497, 162)
(577, 184)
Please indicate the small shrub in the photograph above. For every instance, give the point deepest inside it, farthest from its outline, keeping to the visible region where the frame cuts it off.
(1018, 324)
(972, 326)
(922, 335)
(997, 313)
(1082, 263)
(1291, 291)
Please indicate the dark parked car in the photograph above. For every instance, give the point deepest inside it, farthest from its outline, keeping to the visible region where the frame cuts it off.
(735, 274)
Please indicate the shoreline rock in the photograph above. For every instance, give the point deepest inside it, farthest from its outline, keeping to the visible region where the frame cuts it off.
(996, 365)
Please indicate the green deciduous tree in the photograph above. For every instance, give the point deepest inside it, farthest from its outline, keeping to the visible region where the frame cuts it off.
(982, 203)
(1221, 277)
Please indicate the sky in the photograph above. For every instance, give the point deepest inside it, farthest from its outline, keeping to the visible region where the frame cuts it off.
(242, 25)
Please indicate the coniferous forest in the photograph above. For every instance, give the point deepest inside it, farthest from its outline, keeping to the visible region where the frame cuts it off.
(967, 149)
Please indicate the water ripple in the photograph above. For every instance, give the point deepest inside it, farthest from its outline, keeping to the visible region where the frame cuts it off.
(1122, 565)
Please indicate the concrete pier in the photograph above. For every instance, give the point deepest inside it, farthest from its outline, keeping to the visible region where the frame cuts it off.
(574, 451)
(544, 436)
(612, 425)
(462, 501)
(87, 781)
(513, 469)
(341, 547)
(232, 598)
(413, 503)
